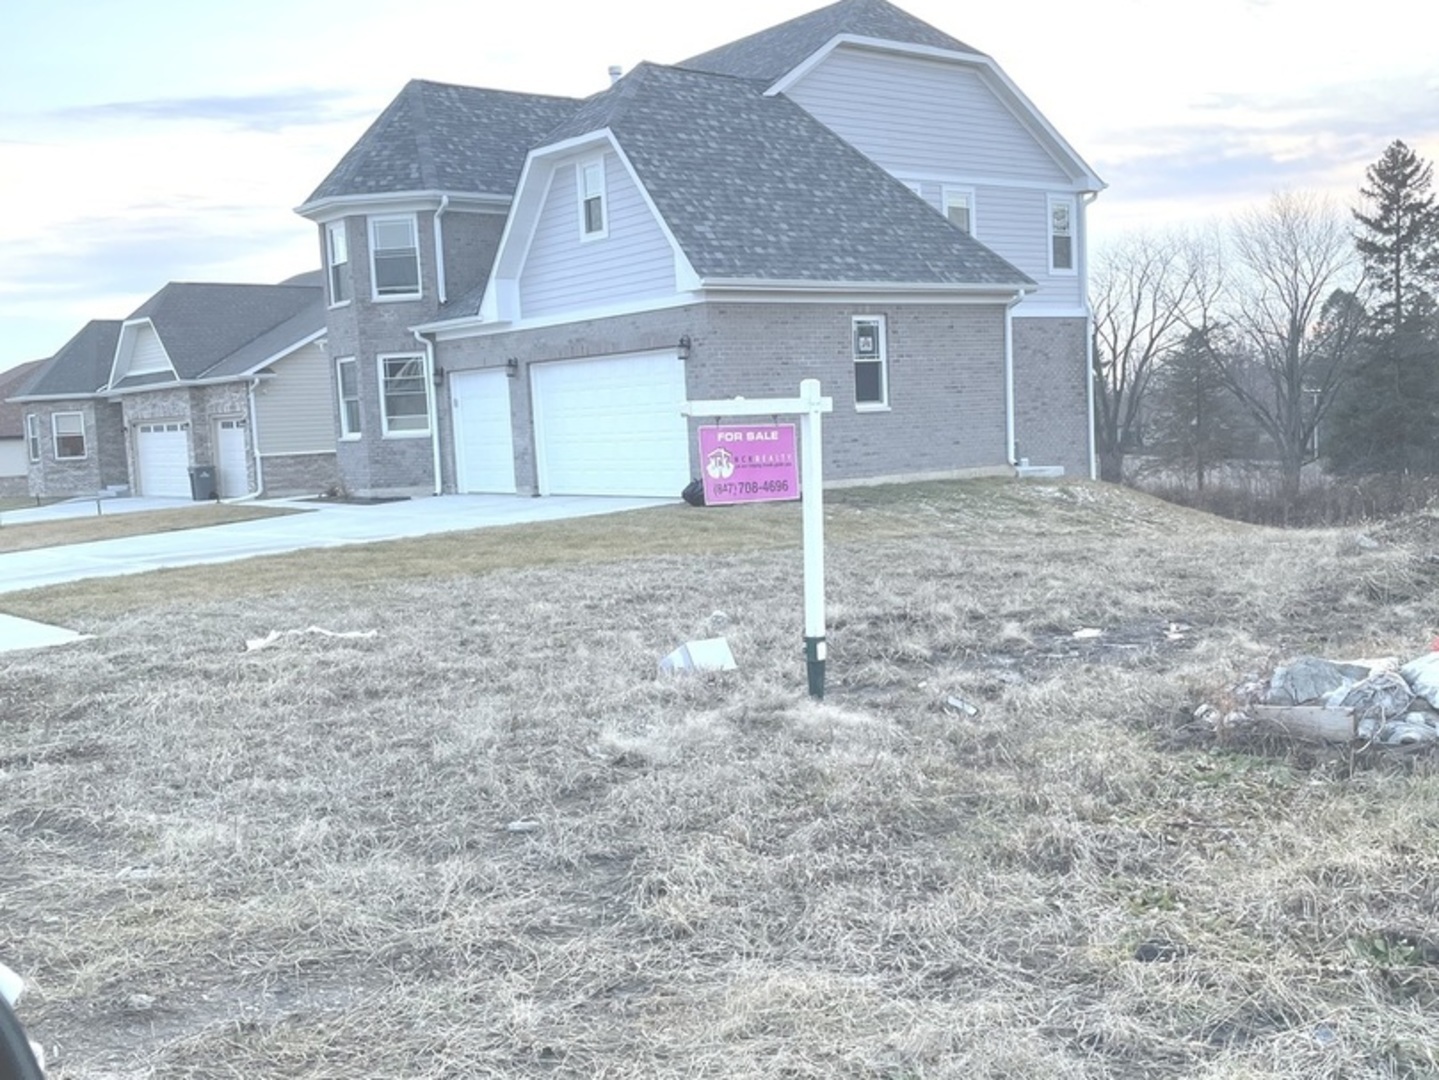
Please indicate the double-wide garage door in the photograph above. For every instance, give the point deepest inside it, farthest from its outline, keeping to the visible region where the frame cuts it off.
(611, 425)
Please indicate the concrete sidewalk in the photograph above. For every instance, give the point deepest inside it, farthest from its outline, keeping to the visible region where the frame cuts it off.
(324, 525)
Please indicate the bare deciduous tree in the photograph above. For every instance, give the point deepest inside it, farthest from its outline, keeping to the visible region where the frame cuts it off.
(1146, 292)
(1292, 324)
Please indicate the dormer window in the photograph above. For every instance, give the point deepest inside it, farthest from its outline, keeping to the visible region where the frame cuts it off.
(337, 260)
(593, 224)
(395, 258)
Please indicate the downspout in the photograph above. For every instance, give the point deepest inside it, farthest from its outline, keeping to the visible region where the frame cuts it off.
(440, 248)
(255, 444)
(1084, 201)
(1009, 447)
(430, 404)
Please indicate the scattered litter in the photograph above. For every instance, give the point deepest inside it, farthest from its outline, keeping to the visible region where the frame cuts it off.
(958, 704)
(709, 654)
(1088, 633)
(1422, 674)
(1324, 1035)
(254, 644)
(1365, 542)
(523, 826)
(1175, 631)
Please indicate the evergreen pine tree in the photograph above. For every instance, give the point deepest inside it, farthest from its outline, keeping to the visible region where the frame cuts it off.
(1196, 423)
(1398, 238)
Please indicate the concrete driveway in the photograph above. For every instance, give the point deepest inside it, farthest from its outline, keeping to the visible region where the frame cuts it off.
(323, 525)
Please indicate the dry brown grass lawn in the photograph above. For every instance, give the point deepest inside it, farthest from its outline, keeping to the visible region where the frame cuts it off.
(42, 534)
(300, 862)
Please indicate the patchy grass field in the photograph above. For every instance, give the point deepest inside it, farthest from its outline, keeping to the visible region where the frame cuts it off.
(489, 842)
(28, 536)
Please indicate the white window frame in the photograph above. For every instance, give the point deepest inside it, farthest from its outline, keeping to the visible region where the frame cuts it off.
(337, 264)
(381, 363)
(1068, 202)
(346, 431)
(955, 195)
(881, 361)
(56, 436)
(390, 219)
(32, 436)
(583, 194)
(915, 186)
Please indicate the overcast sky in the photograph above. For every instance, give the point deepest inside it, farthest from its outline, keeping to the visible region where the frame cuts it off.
(145, 141)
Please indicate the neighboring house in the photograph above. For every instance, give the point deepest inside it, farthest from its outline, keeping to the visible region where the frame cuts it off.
(523, 289)
(15, 440)
(233, 377)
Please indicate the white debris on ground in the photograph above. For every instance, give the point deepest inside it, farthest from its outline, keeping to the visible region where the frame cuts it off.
(1380, 702)
(255, 644)
(709, 654)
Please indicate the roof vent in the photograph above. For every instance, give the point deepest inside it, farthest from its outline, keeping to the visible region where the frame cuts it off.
(615, 72)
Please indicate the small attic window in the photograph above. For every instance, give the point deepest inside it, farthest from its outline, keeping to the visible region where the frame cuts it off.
(591, 177)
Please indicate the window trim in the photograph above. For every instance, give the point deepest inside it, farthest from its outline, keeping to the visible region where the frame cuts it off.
(32, 437)
(335, 267)
(882, 361)
(346, 433)
(402, 433)
(583, 195)
(389, 297)
(1070, 203)
(954, 193)
(56, 436)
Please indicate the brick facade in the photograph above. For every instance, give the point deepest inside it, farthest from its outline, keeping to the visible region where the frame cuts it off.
(1051, 404)
(299, 474)
(102, 466)
(200, 407)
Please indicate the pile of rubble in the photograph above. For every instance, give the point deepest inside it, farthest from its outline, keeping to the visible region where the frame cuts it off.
(1380, 702)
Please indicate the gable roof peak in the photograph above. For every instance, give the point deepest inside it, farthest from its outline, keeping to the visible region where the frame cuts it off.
(772, 53)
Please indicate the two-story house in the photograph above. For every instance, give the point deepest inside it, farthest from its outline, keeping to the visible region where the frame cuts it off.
(523, 289)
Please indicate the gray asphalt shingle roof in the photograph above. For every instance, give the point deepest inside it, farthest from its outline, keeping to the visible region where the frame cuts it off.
(213, 330)
(771, 53)
(81, 366)
(440, 137)
(753, 187)
(12, 382)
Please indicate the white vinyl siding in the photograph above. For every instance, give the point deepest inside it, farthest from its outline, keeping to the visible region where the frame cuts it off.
(1015, 224)
(147, 354)
(292, 411)
(563, 272)
(922, 117)
(404, 398)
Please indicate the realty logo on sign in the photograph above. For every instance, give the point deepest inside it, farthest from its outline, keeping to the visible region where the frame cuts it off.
(748, 463)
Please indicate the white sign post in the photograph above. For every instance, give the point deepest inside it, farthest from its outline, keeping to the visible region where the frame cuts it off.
(810, 406)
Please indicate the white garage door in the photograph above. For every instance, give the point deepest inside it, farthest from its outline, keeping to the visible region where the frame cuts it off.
(233, 474)
(484, 443)
(162, 452)
(611, 426)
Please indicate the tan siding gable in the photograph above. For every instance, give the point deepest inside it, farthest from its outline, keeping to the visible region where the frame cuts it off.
(295, 411)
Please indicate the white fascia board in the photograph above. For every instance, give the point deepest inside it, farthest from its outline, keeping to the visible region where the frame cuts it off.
(323, 211)
(1012, 97)
(975, 180)
(849, 288)
(39, 399)
(686, 280)
(286, 351)
(470, 328)
(112, 393)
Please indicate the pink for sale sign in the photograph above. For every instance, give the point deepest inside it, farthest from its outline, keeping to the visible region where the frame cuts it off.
(748, 463)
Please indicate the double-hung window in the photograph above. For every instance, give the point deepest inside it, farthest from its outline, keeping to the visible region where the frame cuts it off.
(591, 177)
(347, 381)
(395, 257)
(32, 435)
(1061, 234)
(404, 400)
(959, 208)
(337, 259)
(871, 380)
(68, 428)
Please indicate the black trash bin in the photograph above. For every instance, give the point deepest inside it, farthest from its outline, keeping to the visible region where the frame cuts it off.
(202, 483)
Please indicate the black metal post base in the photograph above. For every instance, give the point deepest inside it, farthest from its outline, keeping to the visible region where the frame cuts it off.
(814, 653)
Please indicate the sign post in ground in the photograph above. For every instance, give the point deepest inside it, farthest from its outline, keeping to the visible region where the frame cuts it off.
(756, 462)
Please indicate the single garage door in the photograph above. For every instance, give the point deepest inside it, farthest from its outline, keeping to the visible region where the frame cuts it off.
(484, 442)
(162, 452)
(232, 465)
(611, 426)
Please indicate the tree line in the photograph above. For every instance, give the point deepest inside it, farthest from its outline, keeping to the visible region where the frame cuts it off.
(1299, 333)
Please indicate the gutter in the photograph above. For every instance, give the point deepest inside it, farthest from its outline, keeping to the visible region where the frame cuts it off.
(255, 442)
(431, 406)
(1084, 200)
(440, 247)
(1010, 449)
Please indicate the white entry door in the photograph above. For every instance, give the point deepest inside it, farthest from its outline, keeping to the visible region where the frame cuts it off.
(611, 426)
(484, 441)
(162, 456)
(232, 476)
